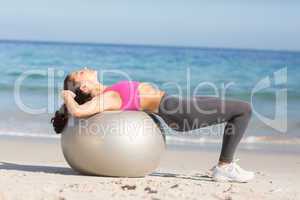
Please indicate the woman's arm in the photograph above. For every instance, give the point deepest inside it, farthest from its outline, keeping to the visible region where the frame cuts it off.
(107, 101)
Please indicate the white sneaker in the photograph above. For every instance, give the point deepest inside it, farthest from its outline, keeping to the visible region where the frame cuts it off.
(231, 172)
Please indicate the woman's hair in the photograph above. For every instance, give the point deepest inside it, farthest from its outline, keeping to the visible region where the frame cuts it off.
(60, 119)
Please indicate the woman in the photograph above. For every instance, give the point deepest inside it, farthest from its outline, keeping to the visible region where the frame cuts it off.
(84, 96)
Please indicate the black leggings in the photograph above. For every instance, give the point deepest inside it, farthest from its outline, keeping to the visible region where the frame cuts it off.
(193, 113)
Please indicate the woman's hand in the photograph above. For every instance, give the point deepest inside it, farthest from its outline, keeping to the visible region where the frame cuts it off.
(67, 94)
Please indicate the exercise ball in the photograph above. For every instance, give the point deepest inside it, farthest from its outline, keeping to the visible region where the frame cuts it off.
(114, 143)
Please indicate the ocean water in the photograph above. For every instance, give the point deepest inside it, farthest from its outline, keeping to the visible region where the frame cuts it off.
(268, 76)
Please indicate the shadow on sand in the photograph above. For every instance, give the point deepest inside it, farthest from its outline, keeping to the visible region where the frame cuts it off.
(194, 177)
(37, 168)
(69, 171)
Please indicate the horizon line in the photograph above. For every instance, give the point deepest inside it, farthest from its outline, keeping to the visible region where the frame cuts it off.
(141, 45)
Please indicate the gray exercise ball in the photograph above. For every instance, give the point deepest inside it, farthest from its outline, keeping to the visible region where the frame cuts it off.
(118, 144)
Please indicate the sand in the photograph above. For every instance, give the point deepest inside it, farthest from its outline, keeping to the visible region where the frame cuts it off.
(35, 169)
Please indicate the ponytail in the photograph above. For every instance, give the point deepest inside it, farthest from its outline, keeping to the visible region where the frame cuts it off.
(60, 119)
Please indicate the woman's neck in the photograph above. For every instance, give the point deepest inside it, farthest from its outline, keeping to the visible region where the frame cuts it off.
(99, 88)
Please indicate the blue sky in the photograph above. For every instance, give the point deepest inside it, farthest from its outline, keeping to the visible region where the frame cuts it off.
(264, 24)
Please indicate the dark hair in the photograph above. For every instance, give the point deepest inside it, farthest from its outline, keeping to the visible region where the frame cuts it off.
(60, 119)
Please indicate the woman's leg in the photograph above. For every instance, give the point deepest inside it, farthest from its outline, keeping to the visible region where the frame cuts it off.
(196, 112)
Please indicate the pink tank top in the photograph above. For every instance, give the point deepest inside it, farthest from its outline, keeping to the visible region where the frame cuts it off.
(128, 91)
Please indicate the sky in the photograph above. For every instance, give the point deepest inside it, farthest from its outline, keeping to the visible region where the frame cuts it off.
(255, 24)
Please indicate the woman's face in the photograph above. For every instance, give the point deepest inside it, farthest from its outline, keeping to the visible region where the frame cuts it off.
(87, 78)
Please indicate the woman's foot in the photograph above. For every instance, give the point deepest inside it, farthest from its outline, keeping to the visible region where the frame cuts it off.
(231, 172)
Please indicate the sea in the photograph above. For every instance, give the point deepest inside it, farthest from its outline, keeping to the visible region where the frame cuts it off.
(32, 74)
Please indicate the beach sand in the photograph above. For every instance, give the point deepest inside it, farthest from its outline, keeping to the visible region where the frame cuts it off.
(35, 169)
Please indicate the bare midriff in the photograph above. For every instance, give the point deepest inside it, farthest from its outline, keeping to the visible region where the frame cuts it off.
(150, 97)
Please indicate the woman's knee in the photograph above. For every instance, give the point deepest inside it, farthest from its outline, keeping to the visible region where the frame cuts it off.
(244, 108)
(239, 108)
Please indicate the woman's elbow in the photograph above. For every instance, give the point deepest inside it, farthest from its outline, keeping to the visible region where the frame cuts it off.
(82, 113)
(77, 113)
